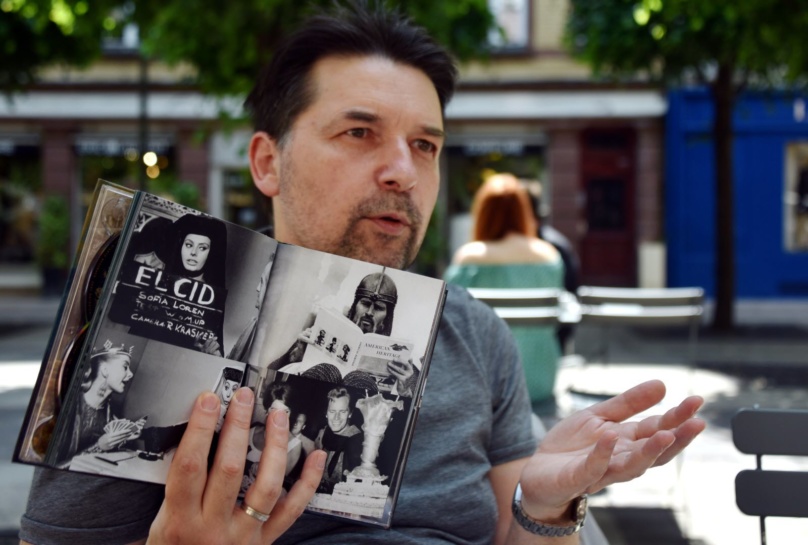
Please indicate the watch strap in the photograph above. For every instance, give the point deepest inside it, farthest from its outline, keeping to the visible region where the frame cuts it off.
(539, 528)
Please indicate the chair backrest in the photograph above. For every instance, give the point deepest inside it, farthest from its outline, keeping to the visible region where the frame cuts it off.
(517, 297)
(641, 306)
(522, 306)
(766, 493)
(647, 297)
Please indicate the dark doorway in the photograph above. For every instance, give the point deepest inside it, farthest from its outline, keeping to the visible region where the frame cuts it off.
(608, 248)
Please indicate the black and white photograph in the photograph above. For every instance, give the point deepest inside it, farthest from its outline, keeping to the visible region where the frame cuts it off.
(174, 284)
(392, 308)
(131, 410)
(104, 224)
(361, 429)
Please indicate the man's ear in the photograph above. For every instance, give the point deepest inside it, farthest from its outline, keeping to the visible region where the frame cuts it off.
(264, 163)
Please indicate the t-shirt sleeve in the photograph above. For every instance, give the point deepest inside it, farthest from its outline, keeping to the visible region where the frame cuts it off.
(65, 507)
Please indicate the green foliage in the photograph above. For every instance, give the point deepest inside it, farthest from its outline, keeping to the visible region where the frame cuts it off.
(230, 43)
(227, 42)
(433, 248)
(54, 234)
(35, 33)
(676, 40)
(184, 193)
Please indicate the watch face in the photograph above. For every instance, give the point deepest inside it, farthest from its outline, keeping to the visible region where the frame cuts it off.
(580, 509)
(97, 276)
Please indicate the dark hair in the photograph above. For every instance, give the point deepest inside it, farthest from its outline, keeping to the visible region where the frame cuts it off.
(277, 392)
(360, 28)
(214, 272)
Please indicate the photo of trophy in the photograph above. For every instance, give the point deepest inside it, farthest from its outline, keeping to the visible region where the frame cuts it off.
(377, 412)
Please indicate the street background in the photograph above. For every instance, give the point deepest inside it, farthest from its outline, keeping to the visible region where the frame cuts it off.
(688, 502)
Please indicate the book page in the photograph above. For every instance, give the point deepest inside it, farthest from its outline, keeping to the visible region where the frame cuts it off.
(335, 339)
(177, 283)
(173, 310)
(343, 345)
(102, 226)
(376, 352)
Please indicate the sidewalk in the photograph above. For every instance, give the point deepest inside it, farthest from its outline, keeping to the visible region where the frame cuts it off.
(689, 502)
(692, 501)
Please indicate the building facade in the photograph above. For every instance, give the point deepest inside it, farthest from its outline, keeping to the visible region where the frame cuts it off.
(529, 109)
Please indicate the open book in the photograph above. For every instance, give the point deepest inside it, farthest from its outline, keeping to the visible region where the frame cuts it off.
(165, 302)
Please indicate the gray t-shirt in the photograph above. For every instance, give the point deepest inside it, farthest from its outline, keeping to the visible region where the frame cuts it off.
(475, 414)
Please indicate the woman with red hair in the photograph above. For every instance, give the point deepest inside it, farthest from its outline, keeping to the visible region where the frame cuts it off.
(504, 252)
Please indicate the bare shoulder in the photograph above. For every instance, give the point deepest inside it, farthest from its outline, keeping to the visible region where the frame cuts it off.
(544, 251)
(471, 253)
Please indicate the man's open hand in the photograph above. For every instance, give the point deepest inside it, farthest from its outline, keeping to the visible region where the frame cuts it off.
(596, 447)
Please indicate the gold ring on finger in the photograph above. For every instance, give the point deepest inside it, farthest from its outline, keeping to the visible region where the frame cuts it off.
(257, 515)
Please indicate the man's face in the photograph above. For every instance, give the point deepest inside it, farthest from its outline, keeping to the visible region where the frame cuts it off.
(338, 413)
(299, 425)
(358, 173)
(369, 316)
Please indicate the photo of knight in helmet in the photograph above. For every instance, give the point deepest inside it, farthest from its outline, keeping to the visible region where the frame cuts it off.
(353, 331)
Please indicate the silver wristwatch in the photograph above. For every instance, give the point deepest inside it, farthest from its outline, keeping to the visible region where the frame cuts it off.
(548, 530)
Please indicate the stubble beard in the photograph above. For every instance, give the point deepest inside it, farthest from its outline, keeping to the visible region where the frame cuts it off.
(355, 242)
(391, 251)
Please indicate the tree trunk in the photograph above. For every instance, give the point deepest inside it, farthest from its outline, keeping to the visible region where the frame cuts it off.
(723, 100)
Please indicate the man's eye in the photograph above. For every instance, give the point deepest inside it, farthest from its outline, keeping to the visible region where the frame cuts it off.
(426, 146)
(358, 132)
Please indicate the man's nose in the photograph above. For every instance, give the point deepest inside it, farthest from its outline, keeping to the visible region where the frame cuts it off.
(398, 172)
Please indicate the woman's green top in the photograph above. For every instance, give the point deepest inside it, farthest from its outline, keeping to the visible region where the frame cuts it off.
(538, 345)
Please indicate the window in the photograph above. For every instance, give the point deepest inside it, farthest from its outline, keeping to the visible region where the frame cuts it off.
(795, 215)
(513, 19)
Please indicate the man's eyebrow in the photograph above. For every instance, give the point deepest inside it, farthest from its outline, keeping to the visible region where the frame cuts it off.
(368, 117)
(359, 115)
(436, 132)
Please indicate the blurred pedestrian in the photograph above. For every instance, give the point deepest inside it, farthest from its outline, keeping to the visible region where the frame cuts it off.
(505, 252)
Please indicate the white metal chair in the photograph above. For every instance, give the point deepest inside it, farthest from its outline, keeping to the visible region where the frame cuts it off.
(605, 306)
(523, 306)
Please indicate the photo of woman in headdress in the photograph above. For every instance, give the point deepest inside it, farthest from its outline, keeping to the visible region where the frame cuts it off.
(93, 427)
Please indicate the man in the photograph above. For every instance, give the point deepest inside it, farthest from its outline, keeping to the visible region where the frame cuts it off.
(352, 109)
(341, 440)
(299, 444)
(373, 310)
(374, 304)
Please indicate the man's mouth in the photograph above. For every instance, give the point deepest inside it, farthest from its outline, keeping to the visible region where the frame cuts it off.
(392, 223)
(366, 323)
